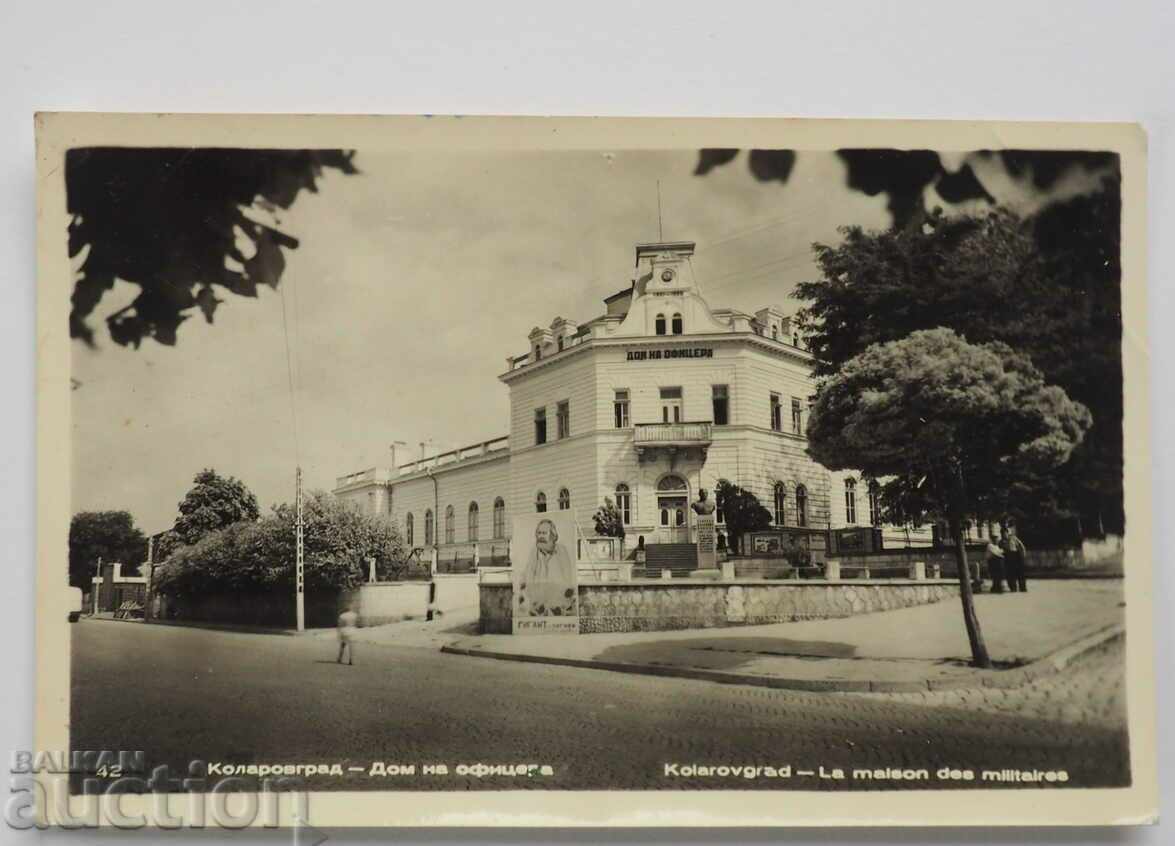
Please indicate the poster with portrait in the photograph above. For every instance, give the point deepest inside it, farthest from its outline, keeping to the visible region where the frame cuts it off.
(543, 572)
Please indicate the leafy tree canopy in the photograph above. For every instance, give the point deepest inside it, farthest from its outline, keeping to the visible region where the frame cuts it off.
(214, 502)
(1047, 285)
(954, 424)
(741, 511)
(608, 520)
(904, 176)
(260, 555)
(172, 222)
(109, 535)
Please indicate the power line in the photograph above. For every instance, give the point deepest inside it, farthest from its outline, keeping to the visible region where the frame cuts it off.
(789, 259)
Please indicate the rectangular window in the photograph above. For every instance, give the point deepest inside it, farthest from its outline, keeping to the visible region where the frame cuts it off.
(797, 416)
(624, 506)
(563, 419)
(671, 405)
(721, 399)
(620, 409)
(875, 510)
(540, 426)
(776, 413)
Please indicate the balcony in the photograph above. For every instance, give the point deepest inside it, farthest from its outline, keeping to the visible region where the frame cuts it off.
(672, 436)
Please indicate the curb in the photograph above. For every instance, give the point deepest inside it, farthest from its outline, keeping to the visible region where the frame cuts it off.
(1041, 668)
(220, 627)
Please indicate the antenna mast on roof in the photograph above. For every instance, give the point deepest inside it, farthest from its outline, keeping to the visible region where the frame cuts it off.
(660, 228)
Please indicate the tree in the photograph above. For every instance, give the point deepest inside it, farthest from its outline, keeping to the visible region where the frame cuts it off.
(904, 176)
(260, 555)
(741, 511)
(1056, 294)
(954, 424)
(989, 278)
(109, 535)
(181, 225)
(608, 520)
(213, 502)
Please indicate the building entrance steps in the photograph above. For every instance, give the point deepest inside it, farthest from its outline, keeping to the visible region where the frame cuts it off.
(679, 558)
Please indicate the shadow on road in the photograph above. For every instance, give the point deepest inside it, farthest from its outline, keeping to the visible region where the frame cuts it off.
(728, 652)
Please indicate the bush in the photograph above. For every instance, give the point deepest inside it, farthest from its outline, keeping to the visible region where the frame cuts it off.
(248, 556)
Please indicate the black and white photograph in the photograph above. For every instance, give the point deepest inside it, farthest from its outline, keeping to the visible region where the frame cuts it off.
(670, 464)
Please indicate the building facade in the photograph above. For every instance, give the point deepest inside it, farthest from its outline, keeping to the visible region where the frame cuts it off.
(656, 398)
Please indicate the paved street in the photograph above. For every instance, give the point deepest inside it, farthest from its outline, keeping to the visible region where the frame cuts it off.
(183, 694)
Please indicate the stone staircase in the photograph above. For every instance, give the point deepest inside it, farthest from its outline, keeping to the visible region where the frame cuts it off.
(680, 558)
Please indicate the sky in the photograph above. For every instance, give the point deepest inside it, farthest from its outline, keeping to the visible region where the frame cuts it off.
(414, 280)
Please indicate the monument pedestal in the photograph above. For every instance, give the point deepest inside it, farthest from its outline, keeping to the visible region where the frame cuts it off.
(707, 541)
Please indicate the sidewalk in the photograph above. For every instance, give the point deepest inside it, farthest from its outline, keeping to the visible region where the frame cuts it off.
(911, 649)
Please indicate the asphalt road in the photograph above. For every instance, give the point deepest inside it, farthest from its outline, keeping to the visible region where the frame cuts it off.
(183, 694)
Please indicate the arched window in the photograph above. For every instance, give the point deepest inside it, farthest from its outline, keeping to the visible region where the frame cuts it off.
(677, 324)
(540, 502)
(624, 503)
(564, 499)
(449, 535)
(473, 517)
(875, 506)
(660, 324)
(671, 483)
(408, 527)
(801, 505)
(499, 518)
(780, 501)
(428, 521)
(850, 501)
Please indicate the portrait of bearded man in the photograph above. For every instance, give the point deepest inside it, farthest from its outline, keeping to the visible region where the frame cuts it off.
(547, 586)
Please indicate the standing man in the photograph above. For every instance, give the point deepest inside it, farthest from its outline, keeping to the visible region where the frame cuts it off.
(1014, 550)
(995, 564)
(348, 628)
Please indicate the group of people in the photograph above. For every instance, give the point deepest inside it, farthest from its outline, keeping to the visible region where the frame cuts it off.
(1005, 563)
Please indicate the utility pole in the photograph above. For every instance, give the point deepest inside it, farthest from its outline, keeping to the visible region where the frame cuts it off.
(97, 589)
(299, 559)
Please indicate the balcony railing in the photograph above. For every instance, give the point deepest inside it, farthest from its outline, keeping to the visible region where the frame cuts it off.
(673, 434)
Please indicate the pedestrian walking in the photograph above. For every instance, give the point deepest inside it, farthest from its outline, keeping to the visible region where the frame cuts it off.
(995, 564)
(1014, 551)
(348, 628)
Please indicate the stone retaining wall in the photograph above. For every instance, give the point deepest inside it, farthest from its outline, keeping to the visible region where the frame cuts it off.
(679, 604)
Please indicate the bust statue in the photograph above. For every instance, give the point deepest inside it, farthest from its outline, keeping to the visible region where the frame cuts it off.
(703, 505)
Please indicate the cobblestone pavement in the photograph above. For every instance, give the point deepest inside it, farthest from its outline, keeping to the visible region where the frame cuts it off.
(183, 694)
(1090, 693)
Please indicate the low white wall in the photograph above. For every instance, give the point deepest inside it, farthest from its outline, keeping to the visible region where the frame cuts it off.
(456, 591)
(387, 602)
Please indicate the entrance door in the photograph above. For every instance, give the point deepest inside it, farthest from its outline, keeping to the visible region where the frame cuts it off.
(674, 523)
(673, 510)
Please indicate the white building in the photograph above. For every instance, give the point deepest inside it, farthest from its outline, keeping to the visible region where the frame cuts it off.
(657, 397)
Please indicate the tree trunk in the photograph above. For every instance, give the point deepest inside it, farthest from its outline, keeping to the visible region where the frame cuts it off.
(979, 656)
